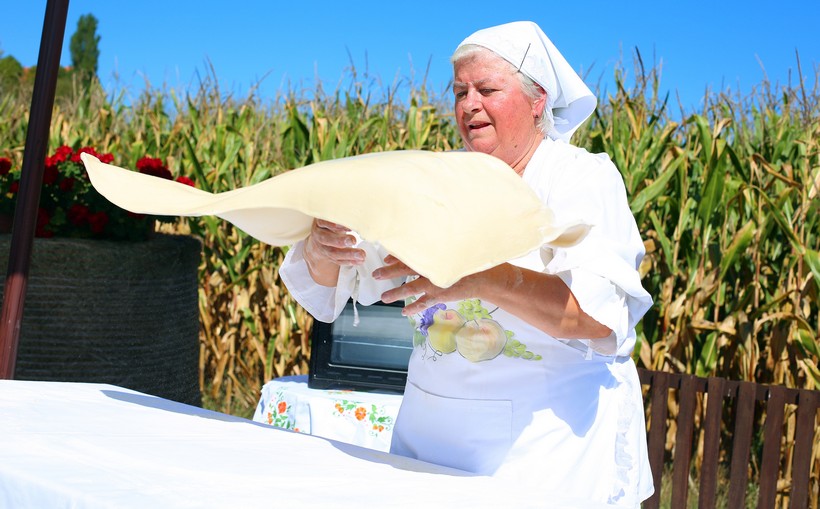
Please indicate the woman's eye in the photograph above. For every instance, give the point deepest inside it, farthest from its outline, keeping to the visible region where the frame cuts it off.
(487, 91)
(460, 95)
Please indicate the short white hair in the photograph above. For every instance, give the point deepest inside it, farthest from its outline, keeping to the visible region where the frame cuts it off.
(530, 88)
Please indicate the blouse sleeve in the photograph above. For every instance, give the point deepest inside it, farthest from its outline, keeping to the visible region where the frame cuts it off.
(325, 303)
(602, 270)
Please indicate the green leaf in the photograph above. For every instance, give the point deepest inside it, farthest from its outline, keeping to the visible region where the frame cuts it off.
(666, 244)
(743, 238)
(705, 364)
(781, 220)
(655, 189)
(710, 201)
(200, 175)
(812, 259)
(702, 126)
(808, 341)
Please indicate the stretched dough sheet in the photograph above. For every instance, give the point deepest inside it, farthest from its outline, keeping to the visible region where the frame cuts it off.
(444, 214)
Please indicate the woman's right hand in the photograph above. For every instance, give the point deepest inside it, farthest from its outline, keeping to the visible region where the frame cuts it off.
(328, 247)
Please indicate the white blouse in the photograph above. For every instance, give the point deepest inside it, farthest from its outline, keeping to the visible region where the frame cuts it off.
(489, 393)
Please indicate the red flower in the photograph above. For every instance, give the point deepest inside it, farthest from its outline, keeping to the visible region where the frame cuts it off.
(78, 214)
(281, 407)
(97, 221)
(5, 165)
(42, 221)
(67, 184)
(182, 179)
(75, 158)
(50, 175)
(60, 155)
(14, 187)
(153, 166)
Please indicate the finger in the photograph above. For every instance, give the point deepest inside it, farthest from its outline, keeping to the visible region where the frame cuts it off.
(393, 268)
(412, 288)
(333, 237)
(419, 305)
(345, 256)
(322, 246)
(328, 225)
(394, 271)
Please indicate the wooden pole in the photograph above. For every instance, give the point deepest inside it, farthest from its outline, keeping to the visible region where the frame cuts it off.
(31, 181)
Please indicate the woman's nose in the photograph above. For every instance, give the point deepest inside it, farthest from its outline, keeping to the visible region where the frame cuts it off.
(471, 102)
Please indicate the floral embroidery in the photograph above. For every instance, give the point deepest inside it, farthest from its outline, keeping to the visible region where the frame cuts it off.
(279, 413)
(470, 331)
(376, 418)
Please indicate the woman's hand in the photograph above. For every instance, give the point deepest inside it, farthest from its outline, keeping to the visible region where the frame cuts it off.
(428, 293)
(327, 247)
(542, 300)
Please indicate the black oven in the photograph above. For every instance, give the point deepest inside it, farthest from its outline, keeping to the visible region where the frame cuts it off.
(372, 355)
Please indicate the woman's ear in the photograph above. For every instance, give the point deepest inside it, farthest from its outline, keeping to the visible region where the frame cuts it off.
(539, 103)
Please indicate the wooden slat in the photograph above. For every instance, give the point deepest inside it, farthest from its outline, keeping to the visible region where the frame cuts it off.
(745, 394)
(656, 440)
(711, 443)
(741, 443)
(683, 442)
(772, 438)
(803, 443)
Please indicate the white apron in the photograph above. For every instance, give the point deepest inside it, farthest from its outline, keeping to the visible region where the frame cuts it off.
(489, 394)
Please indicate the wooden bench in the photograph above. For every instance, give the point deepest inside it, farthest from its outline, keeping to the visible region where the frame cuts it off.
(755, 408)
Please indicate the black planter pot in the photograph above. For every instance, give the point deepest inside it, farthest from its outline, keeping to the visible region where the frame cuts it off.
(124, 313)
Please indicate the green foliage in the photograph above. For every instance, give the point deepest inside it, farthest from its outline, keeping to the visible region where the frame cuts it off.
(725, 198)
(17, 80)
(84, 47)
(11, 72)
(727, 202)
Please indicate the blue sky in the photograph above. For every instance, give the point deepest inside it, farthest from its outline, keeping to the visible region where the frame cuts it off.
(171, 43)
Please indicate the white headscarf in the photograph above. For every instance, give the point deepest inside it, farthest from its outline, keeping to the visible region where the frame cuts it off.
(525, 46)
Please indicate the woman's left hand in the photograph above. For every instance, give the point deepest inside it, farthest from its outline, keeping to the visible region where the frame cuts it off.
(428, 293)
(542, 300)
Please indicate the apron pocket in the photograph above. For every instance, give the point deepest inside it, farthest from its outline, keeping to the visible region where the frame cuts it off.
(468, 434)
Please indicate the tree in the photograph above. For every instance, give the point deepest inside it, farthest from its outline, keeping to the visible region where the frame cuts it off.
(10, 73)
(84, 50)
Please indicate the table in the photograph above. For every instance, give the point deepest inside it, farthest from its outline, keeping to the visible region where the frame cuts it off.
(99, 446)
(361, 418)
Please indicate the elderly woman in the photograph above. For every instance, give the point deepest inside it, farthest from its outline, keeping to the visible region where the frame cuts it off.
(523, 370)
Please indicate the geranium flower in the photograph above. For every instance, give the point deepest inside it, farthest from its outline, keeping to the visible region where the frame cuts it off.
(67, 184)
(43, 219)
(182, 179)
(50, 175)
(153, 166)
(71, 207)
(98, 221)
(78, 214)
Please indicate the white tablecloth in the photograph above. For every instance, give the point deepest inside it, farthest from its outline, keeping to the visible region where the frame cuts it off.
(91, 446)
(354, 417)
(94, 446)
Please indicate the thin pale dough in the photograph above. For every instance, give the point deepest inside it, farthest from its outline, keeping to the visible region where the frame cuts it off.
(444, 214)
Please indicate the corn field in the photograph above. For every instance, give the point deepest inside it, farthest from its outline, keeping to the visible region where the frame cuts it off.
(726, 199)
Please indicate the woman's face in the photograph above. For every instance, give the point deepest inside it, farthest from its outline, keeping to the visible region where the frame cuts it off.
(494, 115)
